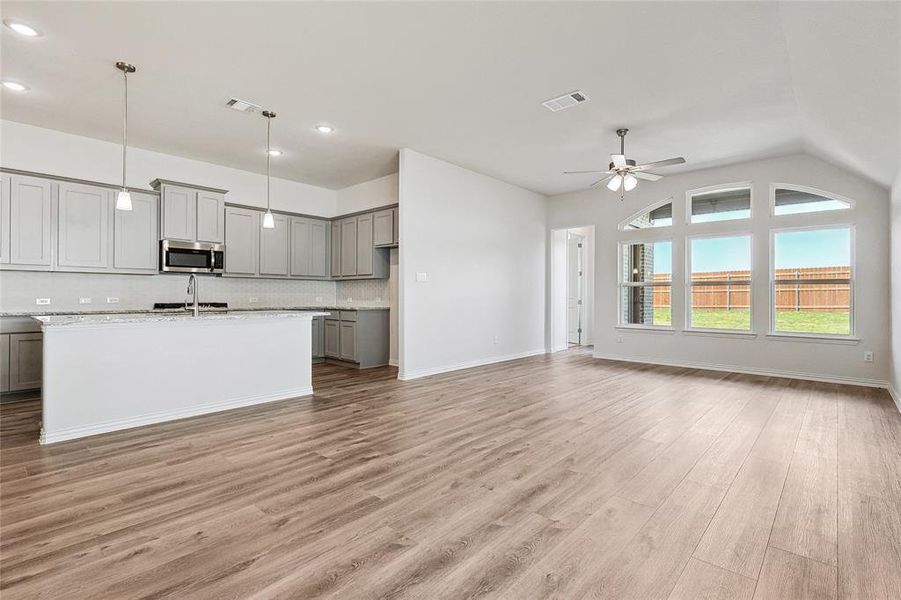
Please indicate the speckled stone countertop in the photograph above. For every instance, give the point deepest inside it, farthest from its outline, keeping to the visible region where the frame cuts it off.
(148, 311)
(90, 320)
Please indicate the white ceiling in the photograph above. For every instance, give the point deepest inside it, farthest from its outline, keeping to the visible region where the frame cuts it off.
(716, 82)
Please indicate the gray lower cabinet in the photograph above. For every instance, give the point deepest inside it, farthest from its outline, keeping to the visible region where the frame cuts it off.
(358, 336)
(25, 361)
(136, 234)
(4, 363)
(332, 346)
(84, 217)
(30, 222)
(242, 227)
(274, 247)
(318, 337)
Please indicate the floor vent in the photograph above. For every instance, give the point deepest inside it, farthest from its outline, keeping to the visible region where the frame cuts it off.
(565, 101)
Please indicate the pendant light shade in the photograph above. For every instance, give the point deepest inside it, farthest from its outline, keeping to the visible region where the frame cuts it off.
(123, 198)
(268, 219)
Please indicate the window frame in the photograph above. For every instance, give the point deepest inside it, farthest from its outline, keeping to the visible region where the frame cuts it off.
(622, 285)
(688, 328)
(720, 187)
(852, 240)
(624, 224)
(808, 190)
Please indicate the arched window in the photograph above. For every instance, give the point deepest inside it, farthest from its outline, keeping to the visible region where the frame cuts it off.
(656, 215)
(790, 199)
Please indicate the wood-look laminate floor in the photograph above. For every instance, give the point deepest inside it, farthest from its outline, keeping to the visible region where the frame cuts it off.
(549, 477)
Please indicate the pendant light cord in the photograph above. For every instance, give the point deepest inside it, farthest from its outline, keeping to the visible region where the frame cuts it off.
(124, 129)
(268, 160)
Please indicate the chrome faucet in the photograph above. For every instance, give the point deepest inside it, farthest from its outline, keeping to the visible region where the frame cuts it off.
(192, 289)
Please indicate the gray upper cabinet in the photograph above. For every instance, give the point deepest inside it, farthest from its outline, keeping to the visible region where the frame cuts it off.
(309, 247)
(83, 226)
(136, 234)
(30, 221)
(349, 247)
(4, 219)
(336, 249)
(242, 228)
(384, 222)
(210, 216)
(364, 245)
(179, 213)
(191, 213)
(274, 247)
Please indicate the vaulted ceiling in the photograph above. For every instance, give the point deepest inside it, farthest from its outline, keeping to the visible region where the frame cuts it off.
(715, 82)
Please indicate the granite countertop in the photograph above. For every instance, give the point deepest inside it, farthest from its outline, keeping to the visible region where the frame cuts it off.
(88, 320)
(148, 311)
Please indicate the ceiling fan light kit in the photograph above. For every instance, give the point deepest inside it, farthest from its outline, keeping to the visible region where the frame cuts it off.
(623, 173)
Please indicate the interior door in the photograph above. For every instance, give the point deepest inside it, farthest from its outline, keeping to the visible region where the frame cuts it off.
(575, 287)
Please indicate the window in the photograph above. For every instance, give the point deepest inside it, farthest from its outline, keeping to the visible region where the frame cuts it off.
(720, 285)
(646, 284)
(812, 281)
(795, 199)
(723, 204)
(661, 216)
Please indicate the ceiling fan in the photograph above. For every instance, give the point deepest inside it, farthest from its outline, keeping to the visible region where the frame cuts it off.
(623, 173)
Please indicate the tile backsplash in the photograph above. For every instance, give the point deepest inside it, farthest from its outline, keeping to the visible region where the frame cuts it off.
(20, 289)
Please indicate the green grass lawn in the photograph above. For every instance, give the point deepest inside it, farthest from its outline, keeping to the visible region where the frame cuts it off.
(787, 321)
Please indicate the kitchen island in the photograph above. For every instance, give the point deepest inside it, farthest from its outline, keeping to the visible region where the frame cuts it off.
(104, 373)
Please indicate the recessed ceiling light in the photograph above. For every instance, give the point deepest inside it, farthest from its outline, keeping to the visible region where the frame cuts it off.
(324, 128)
(15, 86)
(275, 152)
(22, 28)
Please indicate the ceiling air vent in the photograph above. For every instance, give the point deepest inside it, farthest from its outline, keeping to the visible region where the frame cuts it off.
(242, 105)
(565, 101)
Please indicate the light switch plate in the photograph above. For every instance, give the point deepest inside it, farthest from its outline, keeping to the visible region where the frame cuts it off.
(422, 277)
(42, 300)
(254, 300)
(84, 300)
(112, 300)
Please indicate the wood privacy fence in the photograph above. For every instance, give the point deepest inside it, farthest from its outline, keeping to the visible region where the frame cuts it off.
(820, 297)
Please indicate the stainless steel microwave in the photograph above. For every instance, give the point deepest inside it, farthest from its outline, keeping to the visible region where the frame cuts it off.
(191, 257)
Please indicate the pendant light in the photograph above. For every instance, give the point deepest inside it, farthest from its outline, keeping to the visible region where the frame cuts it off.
(268, 219)
(123, 198)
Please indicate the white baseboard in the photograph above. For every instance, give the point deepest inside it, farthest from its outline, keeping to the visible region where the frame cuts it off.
(896, 396)
(392, 362)
(749, 370)
(72, 433)
(558, 348)
(408, 375)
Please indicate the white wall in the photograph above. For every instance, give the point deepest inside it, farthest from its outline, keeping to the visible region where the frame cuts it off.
(896, 289)
(56, 153)
(367, 195)
(481, 243)
(763, 354)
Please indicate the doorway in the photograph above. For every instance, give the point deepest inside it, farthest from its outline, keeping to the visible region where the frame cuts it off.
(572, 287)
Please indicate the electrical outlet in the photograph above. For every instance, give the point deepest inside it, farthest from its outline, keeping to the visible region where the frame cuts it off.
(422, 277)
(378, 298)
(496, 340)
(84, 300)
(349, 300)
(42, 301)
(868, 356)
(112, 300)
(318, 298)
(619, 339)
(254, 300)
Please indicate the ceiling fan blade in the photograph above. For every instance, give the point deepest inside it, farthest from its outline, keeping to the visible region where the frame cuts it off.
(618, 160)
(580, 172)
(659, 163)
(647, 176)
(600, 181)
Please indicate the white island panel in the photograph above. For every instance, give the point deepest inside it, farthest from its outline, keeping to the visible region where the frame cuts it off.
(104, 374)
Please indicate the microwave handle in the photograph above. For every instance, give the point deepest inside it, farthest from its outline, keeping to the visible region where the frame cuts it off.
(212, 260)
